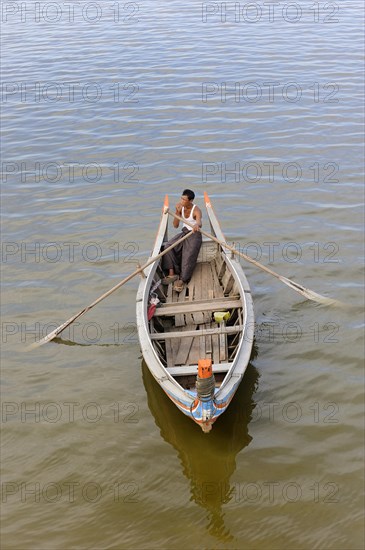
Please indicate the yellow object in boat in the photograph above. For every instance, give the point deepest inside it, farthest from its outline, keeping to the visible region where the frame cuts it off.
(220, 316)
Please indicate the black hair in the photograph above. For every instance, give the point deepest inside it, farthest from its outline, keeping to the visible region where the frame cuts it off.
(189, 193)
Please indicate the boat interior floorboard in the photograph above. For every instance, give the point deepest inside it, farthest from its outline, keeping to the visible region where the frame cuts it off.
(191, 311)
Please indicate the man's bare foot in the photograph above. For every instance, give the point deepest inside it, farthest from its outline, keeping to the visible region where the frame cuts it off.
(179, 285)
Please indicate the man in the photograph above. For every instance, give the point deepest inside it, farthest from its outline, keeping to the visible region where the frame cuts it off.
(181, 260)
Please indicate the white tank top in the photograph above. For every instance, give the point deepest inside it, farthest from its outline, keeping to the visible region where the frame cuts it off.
(190, 219)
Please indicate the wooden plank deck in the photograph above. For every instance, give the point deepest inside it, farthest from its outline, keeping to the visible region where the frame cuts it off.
(185, 342)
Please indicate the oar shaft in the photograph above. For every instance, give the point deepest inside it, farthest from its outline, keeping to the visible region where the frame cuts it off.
(139, 270)
(67, 323)
(309, 294)
(229, 247)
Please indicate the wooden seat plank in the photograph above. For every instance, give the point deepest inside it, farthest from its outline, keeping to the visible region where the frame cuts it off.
(193, 332)
(185, 370)
(201, 305)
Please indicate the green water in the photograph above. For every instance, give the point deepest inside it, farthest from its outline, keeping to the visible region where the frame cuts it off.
(100, 120)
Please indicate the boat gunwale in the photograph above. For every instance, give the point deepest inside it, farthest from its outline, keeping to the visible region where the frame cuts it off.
(157, 369)
(236, 372)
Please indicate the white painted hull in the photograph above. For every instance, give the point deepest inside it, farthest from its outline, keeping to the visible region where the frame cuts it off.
(203, 413)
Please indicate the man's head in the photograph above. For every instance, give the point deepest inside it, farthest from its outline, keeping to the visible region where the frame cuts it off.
(189, 194)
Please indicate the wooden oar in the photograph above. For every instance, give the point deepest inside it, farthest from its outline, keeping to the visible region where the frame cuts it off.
(306, 292)
(67, 323)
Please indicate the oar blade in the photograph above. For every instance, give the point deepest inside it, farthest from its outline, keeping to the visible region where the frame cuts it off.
(44, 340)
(309, 294)
(62, 327)
(53, 334)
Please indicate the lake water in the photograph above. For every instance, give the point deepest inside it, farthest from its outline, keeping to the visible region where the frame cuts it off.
(108, 106)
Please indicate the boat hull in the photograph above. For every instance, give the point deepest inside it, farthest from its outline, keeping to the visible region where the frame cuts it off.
(158, 336)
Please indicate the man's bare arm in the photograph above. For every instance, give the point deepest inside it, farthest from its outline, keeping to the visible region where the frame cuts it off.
(176, 222)
(197, 215)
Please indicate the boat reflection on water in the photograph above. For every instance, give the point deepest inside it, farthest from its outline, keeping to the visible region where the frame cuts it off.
(208, 460)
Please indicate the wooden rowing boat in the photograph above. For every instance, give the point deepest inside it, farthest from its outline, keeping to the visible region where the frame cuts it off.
(198, 343)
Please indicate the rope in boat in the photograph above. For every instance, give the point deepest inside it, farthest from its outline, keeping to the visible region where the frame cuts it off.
(205, 388)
